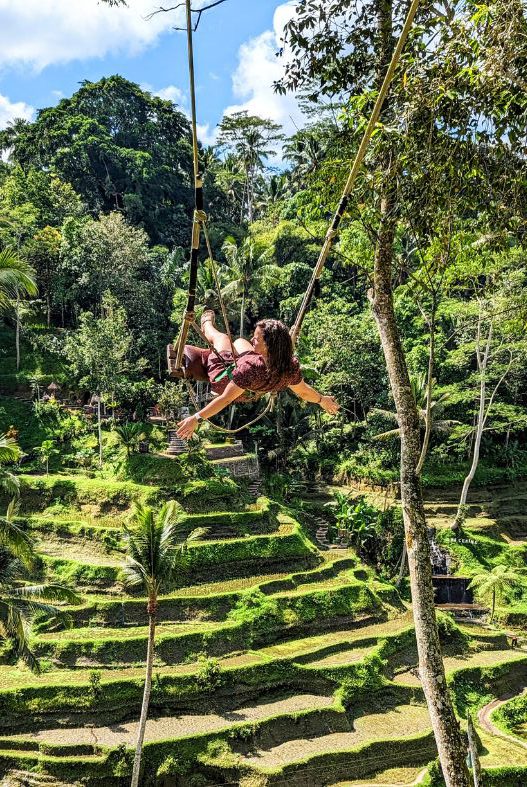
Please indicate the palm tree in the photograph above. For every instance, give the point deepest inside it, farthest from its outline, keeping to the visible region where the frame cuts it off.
(9, 452)
(10, 135)
(419, 388)
(273, 190)
(247, 269)
(206, 285)
(129, 435)
(20, 602)
(156, 549)
(17, 278)
(306, 152)
(230, 177)
(495, 583)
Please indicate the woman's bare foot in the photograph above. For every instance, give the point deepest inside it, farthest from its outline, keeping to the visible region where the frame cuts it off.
(207, 316)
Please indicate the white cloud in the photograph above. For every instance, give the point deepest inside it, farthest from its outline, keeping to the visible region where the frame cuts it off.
(206, 135)
(258, 68)
(9, 110)
(37, 33)
(172, 93)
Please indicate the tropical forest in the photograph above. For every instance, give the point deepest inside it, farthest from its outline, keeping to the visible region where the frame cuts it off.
(263, 410)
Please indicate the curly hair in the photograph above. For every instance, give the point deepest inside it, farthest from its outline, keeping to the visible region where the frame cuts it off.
(279, 346)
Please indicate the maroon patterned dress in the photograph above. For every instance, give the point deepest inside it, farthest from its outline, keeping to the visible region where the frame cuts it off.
(249, 373)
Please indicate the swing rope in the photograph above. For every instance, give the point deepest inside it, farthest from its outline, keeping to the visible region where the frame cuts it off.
(199, 226)
(200, 217)
(355, 169)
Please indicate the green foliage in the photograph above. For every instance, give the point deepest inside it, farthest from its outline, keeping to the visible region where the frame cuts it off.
(367, 679)
(134, 141)
(259, 612)
(209, 673)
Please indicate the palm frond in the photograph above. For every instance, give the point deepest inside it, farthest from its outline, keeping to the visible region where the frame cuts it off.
(9, 482)
(52, 592)
(16, 540)
(386, 435)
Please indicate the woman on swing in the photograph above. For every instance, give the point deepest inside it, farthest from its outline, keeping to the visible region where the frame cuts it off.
(265, 364)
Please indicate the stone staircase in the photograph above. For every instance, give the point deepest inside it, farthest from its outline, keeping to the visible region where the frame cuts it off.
(226, 451)
(322, 536)
(176, 445)
(255, 488)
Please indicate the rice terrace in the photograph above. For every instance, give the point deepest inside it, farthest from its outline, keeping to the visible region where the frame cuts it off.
(263, 393)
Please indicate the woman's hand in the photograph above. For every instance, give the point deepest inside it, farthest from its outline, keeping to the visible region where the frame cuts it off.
(187, 427)
(329, 404)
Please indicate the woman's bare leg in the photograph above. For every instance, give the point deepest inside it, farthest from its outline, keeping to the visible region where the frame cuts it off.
(220, 341)
(243, 345)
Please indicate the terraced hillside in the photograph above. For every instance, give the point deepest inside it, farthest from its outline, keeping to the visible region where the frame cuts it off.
(275, 663)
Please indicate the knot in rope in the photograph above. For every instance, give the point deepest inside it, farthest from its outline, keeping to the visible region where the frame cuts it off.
(200, 216)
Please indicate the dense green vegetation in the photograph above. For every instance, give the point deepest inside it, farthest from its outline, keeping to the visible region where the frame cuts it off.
(276, 629)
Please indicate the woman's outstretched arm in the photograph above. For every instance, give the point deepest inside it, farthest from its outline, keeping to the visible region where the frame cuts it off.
(187, 427)
(309, 394)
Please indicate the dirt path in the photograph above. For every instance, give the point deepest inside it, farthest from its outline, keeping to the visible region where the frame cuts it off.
(484, 717)
(363, 783)
(395, 724)
(171, 727)
(482, 658)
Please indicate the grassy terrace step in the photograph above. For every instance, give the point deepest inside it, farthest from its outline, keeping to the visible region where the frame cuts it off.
(25, 696)
(91, 496)
(300, 650)
(220, 558)
(481, 659)
(205, 602)
(177, 641)
(90, 552)
(399, 722)
(390, 777)
(258, 518)
(173, 727)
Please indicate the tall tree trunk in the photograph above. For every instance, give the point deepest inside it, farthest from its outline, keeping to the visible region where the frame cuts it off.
(428, 422)
(473, 750)
(429, 387)
(431, 669)
(482, 359)
(99, 429)
(17, 332)
(152, 609)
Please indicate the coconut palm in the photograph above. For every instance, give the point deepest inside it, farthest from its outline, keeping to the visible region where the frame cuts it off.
(493, 585)
(21, 602)
(419, 388)
(247, 269)
(129, 435)
(156, 548)
(272, 190)
(9, 452)
(306, 152)
(16, 278)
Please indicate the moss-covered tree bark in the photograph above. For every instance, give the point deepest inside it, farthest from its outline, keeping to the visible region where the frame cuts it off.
(446, 728)
(447, 733)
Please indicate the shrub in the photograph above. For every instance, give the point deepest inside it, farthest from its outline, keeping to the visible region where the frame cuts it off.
(366, 678)
(208, 675)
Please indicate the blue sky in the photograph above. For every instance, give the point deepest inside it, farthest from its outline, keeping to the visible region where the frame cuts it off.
(47, 47)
